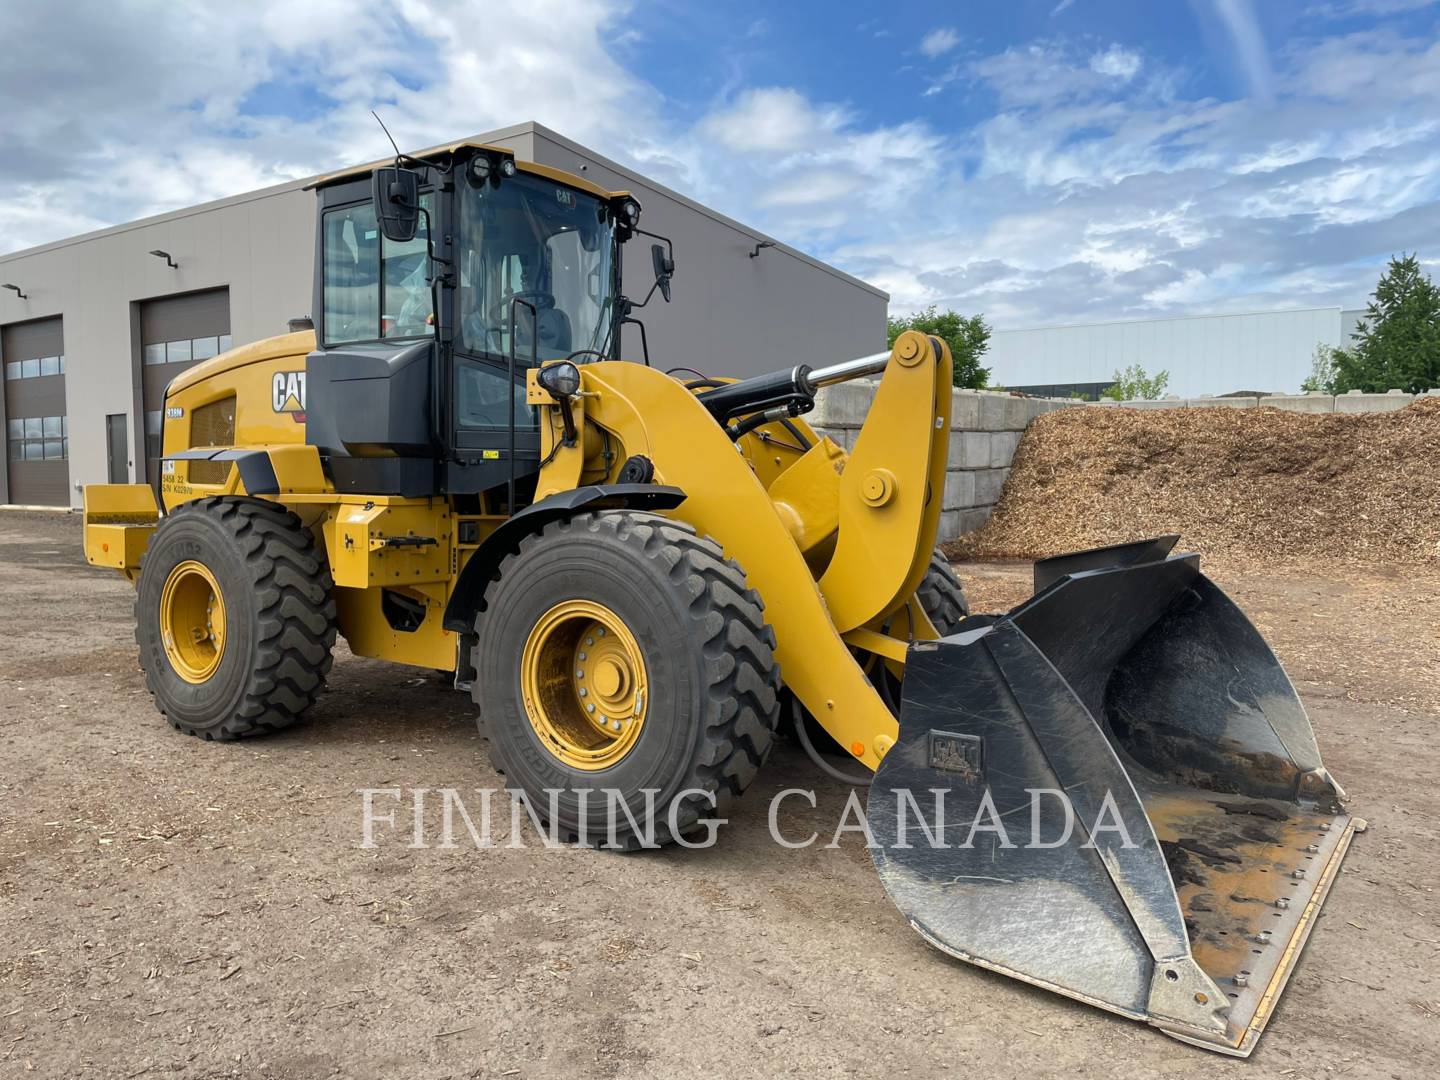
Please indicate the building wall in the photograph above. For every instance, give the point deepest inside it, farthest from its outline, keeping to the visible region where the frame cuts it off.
(985, 429)
(732, 315)
(1269, 351)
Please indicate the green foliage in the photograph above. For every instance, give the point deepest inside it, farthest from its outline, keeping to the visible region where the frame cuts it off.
(1322, 370)
(1397, 344)
(967, 336)
(1133, 384)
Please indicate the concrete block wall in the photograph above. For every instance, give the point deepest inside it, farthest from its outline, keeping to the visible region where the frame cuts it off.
(1313, 402)
(985, 429)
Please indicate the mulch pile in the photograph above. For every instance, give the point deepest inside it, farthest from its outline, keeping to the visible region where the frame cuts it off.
(1242, 485)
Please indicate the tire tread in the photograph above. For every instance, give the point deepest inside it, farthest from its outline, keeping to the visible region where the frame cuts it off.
(296, 624)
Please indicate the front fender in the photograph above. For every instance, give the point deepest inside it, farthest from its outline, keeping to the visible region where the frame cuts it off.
(468, 596)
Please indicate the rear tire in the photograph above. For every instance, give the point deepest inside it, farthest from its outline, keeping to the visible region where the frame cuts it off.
(942, 596)
(699, 645)
(271, 588)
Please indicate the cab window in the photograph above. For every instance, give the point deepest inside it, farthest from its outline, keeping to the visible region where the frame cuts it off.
(374, 288)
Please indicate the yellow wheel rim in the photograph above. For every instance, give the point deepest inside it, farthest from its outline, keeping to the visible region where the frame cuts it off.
(192, 621)
(583, 678)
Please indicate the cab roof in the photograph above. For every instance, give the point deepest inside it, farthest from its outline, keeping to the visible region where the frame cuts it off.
(558, 175)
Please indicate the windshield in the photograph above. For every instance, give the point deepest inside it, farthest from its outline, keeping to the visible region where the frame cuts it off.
(545, 244)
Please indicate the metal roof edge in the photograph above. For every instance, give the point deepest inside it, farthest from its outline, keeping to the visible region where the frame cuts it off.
(1169, 318)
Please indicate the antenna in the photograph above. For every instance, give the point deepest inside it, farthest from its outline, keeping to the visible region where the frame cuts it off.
(383, 128)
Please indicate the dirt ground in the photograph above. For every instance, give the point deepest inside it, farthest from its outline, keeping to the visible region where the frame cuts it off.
(170, 907)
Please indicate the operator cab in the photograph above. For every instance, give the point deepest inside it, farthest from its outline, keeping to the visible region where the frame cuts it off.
(441, 281)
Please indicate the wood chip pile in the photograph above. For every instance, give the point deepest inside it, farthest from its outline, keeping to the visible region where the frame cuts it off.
(1239, 485)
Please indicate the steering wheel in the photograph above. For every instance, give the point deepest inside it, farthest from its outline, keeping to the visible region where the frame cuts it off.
(500, 310)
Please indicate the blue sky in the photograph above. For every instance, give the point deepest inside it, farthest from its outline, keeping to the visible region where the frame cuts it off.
(1042, 161)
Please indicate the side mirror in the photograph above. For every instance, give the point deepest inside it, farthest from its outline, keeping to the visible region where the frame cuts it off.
(664, 269)
(395, 193)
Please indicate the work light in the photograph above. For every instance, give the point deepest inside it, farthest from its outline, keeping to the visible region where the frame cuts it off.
(562, 379)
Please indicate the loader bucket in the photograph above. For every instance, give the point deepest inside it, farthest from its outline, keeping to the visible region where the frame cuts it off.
(1113, 792)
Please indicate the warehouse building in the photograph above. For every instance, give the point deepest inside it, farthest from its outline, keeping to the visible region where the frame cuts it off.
(93, 328)
(1266, 351)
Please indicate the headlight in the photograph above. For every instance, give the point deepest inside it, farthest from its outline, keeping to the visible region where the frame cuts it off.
(562, 379)
(507, 167)
(631, 211)
(480, 166)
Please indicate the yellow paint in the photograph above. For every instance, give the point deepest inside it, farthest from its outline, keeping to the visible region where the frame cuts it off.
(567, 464)
(653, 414)
(583, 682)
(891, 491)
(807, 495)
(119, 520)
(261, 377)
(361, 534)
(368, 633)
(192, 621)
(790, 509)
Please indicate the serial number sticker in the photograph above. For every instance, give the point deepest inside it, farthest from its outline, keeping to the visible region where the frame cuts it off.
(174, 412)
(490, 455)
(167, 468)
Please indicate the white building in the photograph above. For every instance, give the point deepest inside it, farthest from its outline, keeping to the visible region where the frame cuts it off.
(1270, 351)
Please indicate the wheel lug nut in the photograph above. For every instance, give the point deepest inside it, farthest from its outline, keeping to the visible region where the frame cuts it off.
(590, 708)
(600, 632)
(616, 725)
(584, 692)
(580, 674)
(589, 641)
(582, 656)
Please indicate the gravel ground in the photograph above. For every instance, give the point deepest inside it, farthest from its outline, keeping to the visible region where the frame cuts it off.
(170, 907)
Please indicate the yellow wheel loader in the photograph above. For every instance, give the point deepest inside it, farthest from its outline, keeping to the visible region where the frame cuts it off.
(1111, 791)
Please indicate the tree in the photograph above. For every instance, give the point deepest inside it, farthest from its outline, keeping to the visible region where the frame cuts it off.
(1322, 369)
(1133, 384)
(1397, 344)
(967, 336)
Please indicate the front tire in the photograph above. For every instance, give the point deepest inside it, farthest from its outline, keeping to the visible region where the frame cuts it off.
(234, 618)
(942, 596)
(618, 654)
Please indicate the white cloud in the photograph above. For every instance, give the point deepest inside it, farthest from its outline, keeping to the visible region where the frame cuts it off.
(939, 42)
(1243, 25)
(93, 144)
(1093, 183)
(1117, 62)
(771, 119)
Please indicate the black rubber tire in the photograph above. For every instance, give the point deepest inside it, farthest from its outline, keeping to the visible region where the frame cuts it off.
(280, 617)
(942, 596)
(708, 651)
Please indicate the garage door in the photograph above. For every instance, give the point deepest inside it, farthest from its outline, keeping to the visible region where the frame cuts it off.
(37, 433)
(176, 332)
